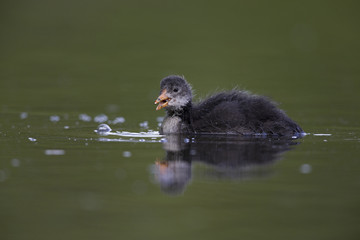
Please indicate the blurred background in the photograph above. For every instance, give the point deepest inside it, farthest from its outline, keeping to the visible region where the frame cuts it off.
(65, 58)
(86, 55)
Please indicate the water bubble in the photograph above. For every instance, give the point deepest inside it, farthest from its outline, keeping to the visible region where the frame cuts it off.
(118, 120)
(305, 168)
(144, 124)
(23, 115)
(100, 118)
(32, 139)
(84, 117)
(54, 152)
(66, 127)
(15, 162)
(126, 154)
(103, 128)
(54, 118)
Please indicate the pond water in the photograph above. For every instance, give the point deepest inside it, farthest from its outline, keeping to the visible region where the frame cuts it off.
(66, 68)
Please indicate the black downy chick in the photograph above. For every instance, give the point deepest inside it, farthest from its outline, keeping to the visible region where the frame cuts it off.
(231, 112)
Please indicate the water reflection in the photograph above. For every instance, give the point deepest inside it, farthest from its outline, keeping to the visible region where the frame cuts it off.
(224, 157)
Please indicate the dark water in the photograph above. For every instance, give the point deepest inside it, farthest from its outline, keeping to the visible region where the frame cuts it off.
(61, 180)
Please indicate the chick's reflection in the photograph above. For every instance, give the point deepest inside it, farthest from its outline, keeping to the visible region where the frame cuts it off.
(223, 156)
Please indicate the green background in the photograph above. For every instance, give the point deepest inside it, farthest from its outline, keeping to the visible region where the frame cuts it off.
(70, 57)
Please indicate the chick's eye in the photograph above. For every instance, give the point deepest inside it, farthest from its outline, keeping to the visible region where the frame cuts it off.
(175, 90)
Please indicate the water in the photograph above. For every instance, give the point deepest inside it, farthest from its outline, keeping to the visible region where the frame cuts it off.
(66, 68)
(113, 184)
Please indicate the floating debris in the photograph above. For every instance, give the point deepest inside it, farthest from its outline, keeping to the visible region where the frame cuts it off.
(100, 118)
(118, 120)
(84, 117)
(322, 134)
(54, 118)
(66, 127)
(23, 115)
(32, 139)
(54, 152)
(126, 154)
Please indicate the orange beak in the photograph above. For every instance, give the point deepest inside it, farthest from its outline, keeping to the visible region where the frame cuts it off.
(162, 100)
(163, 165)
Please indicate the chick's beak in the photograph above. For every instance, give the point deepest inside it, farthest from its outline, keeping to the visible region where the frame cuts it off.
(162, 100)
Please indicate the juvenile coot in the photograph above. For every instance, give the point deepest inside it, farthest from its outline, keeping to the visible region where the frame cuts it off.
(231, 112)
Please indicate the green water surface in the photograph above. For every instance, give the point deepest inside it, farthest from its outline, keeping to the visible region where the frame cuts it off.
(66, 58)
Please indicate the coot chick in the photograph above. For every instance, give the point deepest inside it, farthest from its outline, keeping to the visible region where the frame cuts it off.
(231, 112)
